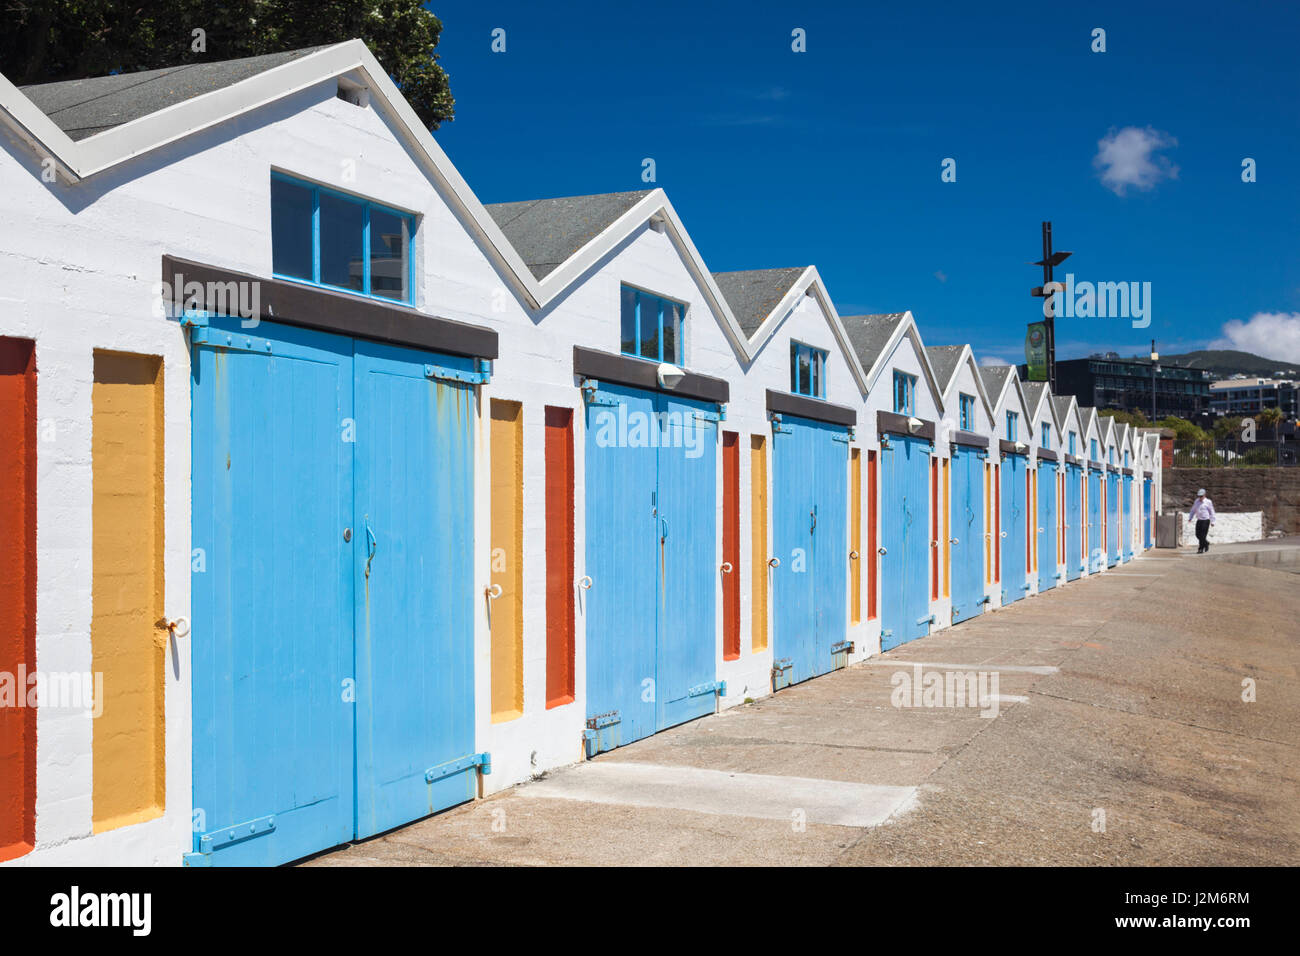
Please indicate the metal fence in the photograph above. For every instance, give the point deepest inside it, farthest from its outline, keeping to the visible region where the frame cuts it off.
(1235, 453)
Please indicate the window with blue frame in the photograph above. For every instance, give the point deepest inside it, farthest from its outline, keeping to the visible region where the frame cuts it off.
(904, 393)
(332, 239)
(1126, 459)
(807, 370)
(651, 326)
(1012, 419)
(1072, 451)
(1047, 435)
(966, 403)
(1093, 448)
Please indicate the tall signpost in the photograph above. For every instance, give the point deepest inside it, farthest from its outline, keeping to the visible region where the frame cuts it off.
(1040, 340)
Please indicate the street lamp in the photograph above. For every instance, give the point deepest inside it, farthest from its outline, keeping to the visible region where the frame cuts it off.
(1155, 358)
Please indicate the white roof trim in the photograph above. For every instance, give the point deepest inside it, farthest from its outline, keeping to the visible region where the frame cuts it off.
(967, 357)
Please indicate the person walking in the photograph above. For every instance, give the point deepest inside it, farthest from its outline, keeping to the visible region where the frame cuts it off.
(1203, 514)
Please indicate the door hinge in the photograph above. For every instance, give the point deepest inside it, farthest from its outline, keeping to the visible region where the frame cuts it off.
(699, 690)
(481, 375)
(928, 619)
(193, 318)
(841, 647)
(592, 394)
(886, 632)
(777, 427)
(209, 843)
(483, 761)
(716, 414)
(844, 437)
(230, 341)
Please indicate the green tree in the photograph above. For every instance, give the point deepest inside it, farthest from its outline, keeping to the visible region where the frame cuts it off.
(1135, 417)
(1269, 418)
(48, 40)
(1227, 427)
(1184, 431)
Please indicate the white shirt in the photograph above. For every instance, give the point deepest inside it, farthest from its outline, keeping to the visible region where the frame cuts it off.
(1202, 510)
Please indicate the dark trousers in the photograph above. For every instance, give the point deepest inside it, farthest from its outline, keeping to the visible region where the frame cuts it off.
(1202, 529)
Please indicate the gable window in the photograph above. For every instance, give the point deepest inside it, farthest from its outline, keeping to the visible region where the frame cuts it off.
(1110, 456)
(1125, 459)
(967, 406)
(1072, 451)
(343, 242)
(651, 326)
(1047, 435)
(807, 370)
(904, 393)
(1093, 448)
(1012, 419)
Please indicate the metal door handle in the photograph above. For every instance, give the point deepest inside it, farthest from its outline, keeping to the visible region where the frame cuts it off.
(726, 567)
(953, 541)
(773, 562)
(853, 555)
(813, 515)
(585, 582)
(882, 551)
(372, 545)
(1002, 534)
(179, 627)
(493, 591)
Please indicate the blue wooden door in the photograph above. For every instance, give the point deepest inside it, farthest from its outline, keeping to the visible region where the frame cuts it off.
(967, 542)
(1112, 519)
(271, 594)
(1015, 525)
(1127, 524)
(1146, 513)
(332, 599)
(1096, 547)
(1074, 561)
(413, 578)
(810, 533)
(622, 560)
(905, 539)
(1046, 529)
(688, 564)
(794, 630)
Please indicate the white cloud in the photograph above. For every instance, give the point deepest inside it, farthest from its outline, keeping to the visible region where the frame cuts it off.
(1129, 157)
(993, 360)
(1274, 335)
(941, 275)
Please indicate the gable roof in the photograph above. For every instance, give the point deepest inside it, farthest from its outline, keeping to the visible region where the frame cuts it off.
(874, 338)
(1034, 392)
(82, 108)
(945, 360)
(755, 293)
(870, 334)
(547, 232)
(1062, 405)
(999, 379)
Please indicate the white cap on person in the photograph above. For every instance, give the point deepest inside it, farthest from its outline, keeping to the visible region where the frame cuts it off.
(1200, 493)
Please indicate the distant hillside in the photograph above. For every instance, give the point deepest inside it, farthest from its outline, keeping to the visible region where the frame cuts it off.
(1226, 362)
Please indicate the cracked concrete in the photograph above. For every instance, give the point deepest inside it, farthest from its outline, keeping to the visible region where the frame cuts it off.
(1132, 745)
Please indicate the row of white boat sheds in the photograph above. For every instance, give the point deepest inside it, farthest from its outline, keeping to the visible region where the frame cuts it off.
(340, 498)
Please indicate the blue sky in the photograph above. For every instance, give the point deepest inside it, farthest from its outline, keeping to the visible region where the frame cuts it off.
(833, 156)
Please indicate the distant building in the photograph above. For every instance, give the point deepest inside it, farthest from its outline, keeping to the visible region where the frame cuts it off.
(1112, 382)
(1247, 396)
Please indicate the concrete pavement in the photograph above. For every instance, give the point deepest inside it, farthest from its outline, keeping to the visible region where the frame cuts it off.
(1121, 737)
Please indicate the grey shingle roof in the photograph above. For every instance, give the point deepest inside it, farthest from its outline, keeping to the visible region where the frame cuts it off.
(869, 334)
(995, 376)
(545, 232)
(1033, 393)
(82, 108)
(944, 360)
(753, 294)
(1062, 405)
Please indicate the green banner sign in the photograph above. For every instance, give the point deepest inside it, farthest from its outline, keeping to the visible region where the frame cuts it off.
(1036, 351)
